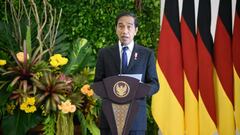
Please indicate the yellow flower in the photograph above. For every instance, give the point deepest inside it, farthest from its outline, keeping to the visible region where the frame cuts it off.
(38, 75)
(23, 106)
(27, 108)
(29, 105)
(31, 109)
(2, 62)
(86, 90)
(54, 63)
(90, 93)
(31, 101)
(67, 107)
(57, 60)
(20, 56)
(10, 108)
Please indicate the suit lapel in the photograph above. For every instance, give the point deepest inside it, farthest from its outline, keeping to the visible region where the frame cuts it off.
(116, 56)
(133, 60)
(134, 57)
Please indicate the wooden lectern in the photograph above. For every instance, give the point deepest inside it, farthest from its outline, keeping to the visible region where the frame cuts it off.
(119, 94)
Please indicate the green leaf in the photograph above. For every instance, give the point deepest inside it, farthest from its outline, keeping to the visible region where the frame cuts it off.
(28, 41)
(3, 84)
(49, 125)
(7, 41)
(80, 57)
(4, 97)
(82, 121)
(92, 127)
(65, 124)
(19, 123)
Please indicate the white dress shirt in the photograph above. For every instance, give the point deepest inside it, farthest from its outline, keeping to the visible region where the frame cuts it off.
(128, 51)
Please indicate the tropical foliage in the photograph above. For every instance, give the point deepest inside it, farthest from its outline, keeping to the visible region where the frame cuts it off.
(95, 20)
(43, 80)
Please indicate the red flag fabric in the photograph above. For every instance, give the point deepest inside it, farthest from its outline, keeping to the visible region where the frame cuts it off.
(168, 103)
(223, 75)
(236, 65)
(190, 67)
(199, 79)
(207, 112)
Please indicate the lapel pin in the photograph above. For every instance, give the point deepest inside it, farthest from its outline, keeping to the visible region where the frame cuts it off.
(135, 56)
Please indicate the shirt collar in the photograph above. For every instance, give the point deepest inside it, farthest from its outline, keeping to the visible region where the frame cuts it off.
(130, 46)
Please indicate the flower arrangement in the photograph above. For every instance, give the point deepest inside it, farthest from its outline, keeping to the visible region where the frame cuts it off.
(46, 95)
(44, 81)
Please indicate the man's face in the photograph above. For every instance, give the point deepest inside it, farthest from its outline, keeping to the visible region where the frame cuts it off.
(126, 29)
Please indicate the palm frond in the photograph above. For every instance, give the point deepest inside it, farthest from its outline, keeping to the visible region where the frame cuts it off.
(80, 57)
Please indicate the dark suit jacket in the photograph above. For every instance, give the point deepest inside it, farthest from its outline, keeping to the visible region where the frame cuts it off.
(108, 64)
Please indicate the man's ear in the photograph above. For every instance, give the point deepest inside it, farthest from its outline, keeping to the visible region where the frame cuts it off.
(136, 30)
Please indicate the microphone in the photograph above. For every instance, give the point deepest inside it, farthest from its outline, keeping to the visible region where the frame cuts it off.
(120, 66)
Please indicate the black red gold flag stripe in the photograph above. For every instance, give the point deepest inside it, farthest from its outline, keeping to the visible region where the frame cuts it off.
(223, 73)
(236, 65)
(190, 67)
(168, 103)
(207, 111)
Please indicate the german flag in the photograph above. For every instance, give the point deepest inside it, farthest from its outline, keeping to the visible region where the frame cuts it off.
(223, 73)
(207, 111)
(168, 103)
(236, 65)
(190, 64)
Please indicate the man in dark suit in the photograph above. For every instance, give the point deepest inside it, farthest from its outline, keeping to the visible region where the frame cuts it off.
(127, 57)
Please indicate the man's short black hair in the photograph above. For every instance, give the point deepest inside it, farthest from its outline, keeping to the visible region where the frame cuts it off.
(125, 13)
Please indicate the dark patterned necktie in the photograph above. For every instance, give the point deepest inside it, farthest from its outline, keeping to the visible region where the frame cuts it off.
(124, 59)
